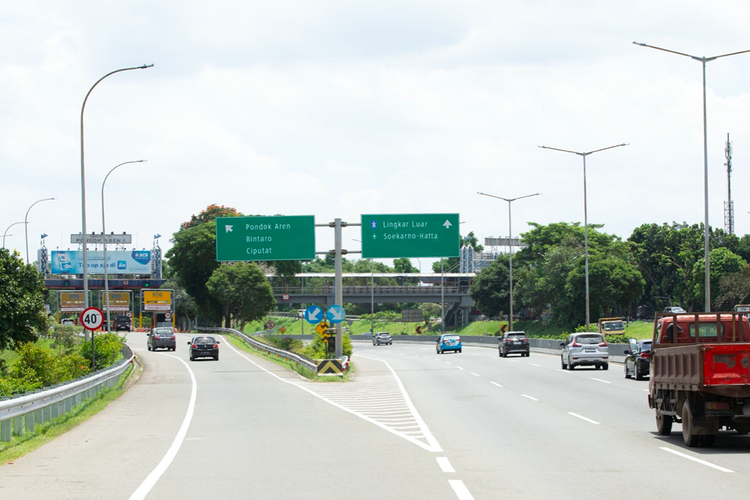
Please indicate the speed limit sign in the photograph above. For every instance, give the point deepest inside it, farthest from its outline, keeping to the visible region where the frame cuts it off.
(92, 318)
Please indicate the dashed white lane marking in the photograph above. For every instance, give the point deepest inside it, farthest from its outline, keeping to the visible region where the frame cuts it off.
(162, 466)
(583, 418)
(495, 383)
(698, 460)
(600, 380)
(445, 464)
(460, 489)
(532, 364)
(459, 367)
(527, 396)
(475, 374)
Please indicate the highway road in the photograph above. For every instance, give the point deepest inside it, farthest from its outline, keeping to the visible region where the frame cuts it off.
(413, 425)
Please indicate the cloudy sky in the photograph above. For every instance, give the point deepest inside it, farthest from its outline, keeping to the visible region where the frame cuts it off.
(339, 108)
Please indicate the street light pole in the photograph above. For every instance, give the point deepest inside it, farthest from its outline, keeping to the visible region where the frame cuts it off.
(585, 219)
(703, 61)
(7, 229)
(26, 225)
(83, 185)
(104, 244)
(510, 248)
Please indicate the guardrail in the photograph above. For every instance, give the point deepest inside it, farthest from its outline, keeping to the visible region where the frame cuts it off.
(21, 414)
(307, 363)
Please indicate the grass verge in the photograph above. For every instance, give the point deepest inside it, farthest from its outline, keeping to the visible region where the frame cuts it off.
(291, 365)
(21, 445)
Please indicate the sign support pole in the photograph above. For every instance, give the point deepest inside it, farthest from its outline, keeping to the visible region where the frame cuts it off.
(338, 284)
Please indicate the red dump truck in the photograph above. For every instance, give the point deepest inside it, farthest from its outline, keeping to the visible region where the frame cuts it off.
(700, 374)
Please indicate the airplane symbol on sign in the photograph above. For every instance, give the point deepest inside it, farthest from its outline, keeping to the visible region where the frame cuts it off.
(228, 228)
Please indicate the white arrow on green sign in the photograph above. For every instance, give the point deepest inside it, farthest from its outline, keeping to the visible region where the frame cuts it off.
(290, 237)
(410, 235)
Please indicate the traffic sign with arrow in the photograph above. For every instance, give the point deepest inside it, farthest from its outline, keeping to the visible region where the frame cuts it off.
(314, 315)
(335, 314)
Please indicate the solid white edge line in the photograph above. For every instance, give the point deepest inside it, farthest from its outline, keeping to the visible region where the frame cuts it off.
(702, 462)
(459, 488)
(162, 466)
(445, 464)
(527, 396)
(583, 418)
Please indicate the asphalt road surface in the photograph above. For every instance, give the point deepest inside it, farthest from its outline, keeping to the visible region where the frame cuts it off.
(412, 425)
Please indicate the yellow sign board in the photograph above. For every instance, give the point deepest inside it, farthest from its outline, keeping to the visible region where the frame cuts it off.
(71, 301)
(322, 327)
(118, 300)
(156, 300)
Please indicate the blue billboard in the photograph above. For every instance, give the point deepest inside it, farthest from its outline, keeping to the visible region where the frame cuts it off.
(118, 262)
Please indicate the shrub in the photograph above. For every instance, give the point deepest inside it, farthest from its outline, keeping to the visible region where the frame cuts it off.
(66, 337)
(107, 346)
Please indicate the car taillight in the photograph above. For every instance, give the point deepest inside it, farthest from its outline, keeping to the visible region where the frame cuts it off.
(646, 355)
(524, 340)
(603, 344)
(194, 346)
(576, 344)
(216, 346)
(171, 338)
(156, 337)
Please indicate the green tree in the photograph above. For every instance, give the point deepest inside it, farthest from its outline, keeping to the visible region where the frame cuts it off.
(192, 260)
(666, 256)
(552, 272)
(490, 288)
(734, 288)
(210, 214)
(21, 301)
(243, 292)
(723, 263)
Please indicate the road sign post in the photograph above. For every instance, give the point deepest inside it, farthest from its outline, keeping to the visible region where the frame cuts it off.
(410, 235)
(242, 239)
(92, 319)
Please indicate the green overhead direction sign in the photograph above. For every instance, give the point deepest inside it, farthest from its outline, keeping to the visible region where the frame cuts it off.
(410, 235)
(265, 238)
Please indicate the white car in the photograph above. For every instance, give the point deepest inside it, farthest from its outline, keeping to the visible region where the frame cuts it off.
(584, 349)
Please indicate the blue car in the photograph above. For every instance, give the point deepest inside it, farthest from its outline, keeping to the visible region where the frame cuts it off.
(448, 342)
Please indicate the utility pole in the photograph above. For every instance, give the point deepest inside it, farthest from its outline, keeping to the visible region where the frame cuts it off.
(729, 205)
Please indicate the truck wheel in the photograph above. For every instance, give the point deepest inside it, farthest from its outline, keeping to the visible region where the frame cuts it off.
(663, 424)
(689, 436)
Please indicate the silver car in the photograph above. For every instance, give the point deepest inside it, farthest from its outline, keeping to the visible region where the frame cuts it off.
(585, 349)
(382, 338)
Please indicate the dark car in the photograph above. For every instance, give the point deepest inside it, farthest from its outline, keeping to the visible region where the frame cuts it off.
(382, 338)
(204, 346)
(161, 338)
(638, 359)
(511, 342)
(122, 323)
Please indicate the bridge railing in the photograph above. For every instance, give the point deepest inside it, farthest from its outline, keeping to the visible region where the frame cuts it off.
(20, 414)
